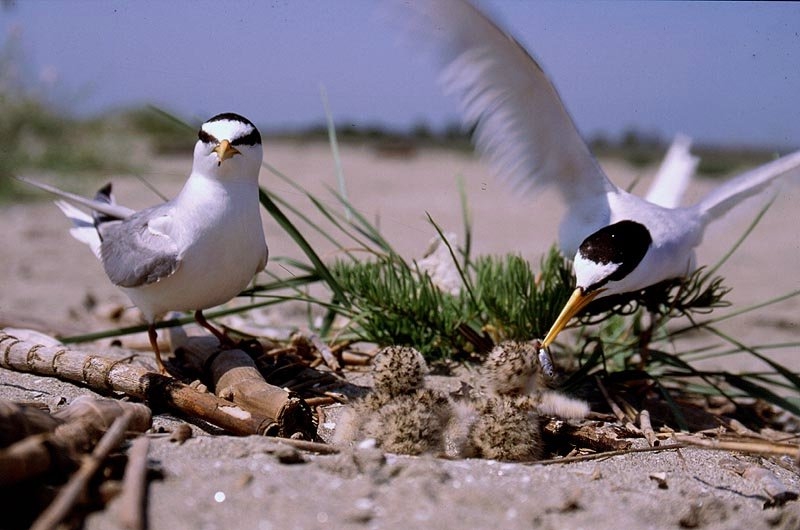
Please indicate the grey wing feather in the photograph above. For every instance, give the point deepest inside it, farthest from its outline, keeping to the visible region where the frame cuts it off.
(133, 255)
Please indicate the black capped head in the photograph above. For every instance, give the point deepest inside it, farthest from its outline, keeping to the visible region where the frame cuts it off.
(240, 130)
(611, 253)
(228, 146)
(608, 255)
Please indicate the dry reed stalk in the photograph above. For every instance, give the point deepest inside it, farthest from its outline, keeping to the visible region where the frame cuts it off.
(131, 508)
(760, 447)
(647, 428)
(623, 418)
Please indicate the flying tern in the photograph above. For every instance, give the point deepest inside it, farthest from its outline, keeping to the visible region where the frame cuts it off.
(621, 242)
(195, 251)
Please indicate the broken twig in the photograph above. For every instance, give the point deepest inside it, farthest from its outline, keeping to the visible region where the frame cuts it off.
(71, 493)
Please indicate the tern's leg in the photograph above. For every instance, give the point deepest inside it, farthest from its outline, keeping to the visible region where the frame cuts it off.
(201, 319)
(151, 333)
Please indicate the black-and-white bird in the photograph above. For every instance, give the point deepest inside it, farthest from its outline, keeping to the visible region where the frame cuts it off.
(621, 242)
(195, 251)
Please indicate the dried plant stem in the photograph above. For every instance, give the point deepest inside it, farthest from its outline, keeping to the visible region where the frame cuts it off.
(70, 494)
(618, 412)
(647, 428)
(607, 454)
(236, 378)
(17, 421)
(30, 457)
(110, 375)
(761, 447)
(304, 445)
(327, 355)
(131, 507)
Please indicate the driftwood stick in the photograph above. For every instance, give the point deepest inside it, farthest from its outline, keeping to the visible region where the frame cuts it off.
(76, 430)
(17, 421)
(647, 428)
(235, 377)
(327, 355)
(106, 375)
(31, 457)
(87, 418)
(591, 436)
(69, 494)
(356, 358)
(131, 507)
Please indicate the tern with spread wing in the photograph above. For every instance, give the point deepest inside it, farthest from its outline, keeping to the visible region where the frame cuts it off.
(621, 242)
(195, 251)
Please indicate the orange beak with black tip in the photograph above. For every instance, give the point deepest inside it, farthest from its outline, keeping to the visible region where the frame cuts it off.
(574, 305)
(225, 151)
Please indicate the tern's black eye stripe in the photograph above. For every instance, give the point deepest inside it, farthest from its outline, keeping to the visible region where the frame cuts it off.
(206, 138)
(251, 138)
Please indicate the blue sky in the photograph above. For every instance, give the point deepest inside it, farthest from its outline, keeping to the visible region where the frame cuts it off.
(720, 72)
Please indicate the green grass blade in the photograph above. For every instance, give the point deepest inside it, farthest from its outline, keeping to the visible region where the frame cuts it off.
(337, 160)
(754, 390)
(697, 325)
(464, 279)
(790, 376)
(741, 239)
(466, 217)
(301, 241)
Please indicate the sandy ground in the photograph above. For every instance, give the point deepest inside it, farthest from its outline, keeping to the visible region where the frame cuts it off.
(218, 481)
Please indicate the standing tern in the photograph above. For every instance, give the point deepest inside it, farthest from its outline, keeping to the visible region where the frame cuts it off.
(622, 243)
(195, 251)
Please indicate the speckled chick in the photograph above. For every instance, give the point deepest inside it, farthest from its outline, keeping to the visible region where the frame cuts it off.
(506, 428)
(410, 424)
(512, 368)
(398, 370)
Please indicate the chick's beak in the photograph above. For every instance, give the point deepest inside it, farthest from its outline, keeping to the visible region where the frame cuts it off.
(576, 302)
(225, 151)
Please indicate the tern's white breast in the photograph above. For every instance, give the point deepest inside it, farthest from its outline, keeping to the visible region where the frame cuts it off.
(218, 231)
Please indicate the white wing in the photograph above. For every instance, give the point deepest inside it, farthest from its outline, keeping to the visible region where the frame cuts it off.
(732, 192)
(522, 128)
(674, 174)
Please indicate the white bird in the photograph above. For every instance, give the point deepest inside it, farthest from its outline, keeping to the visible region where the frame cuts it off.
(621, 243)
(195, 251)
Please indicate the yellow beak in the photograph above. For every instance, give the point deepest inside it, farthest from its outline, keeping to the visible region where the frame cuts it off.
(225, 151)
(576, 302)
